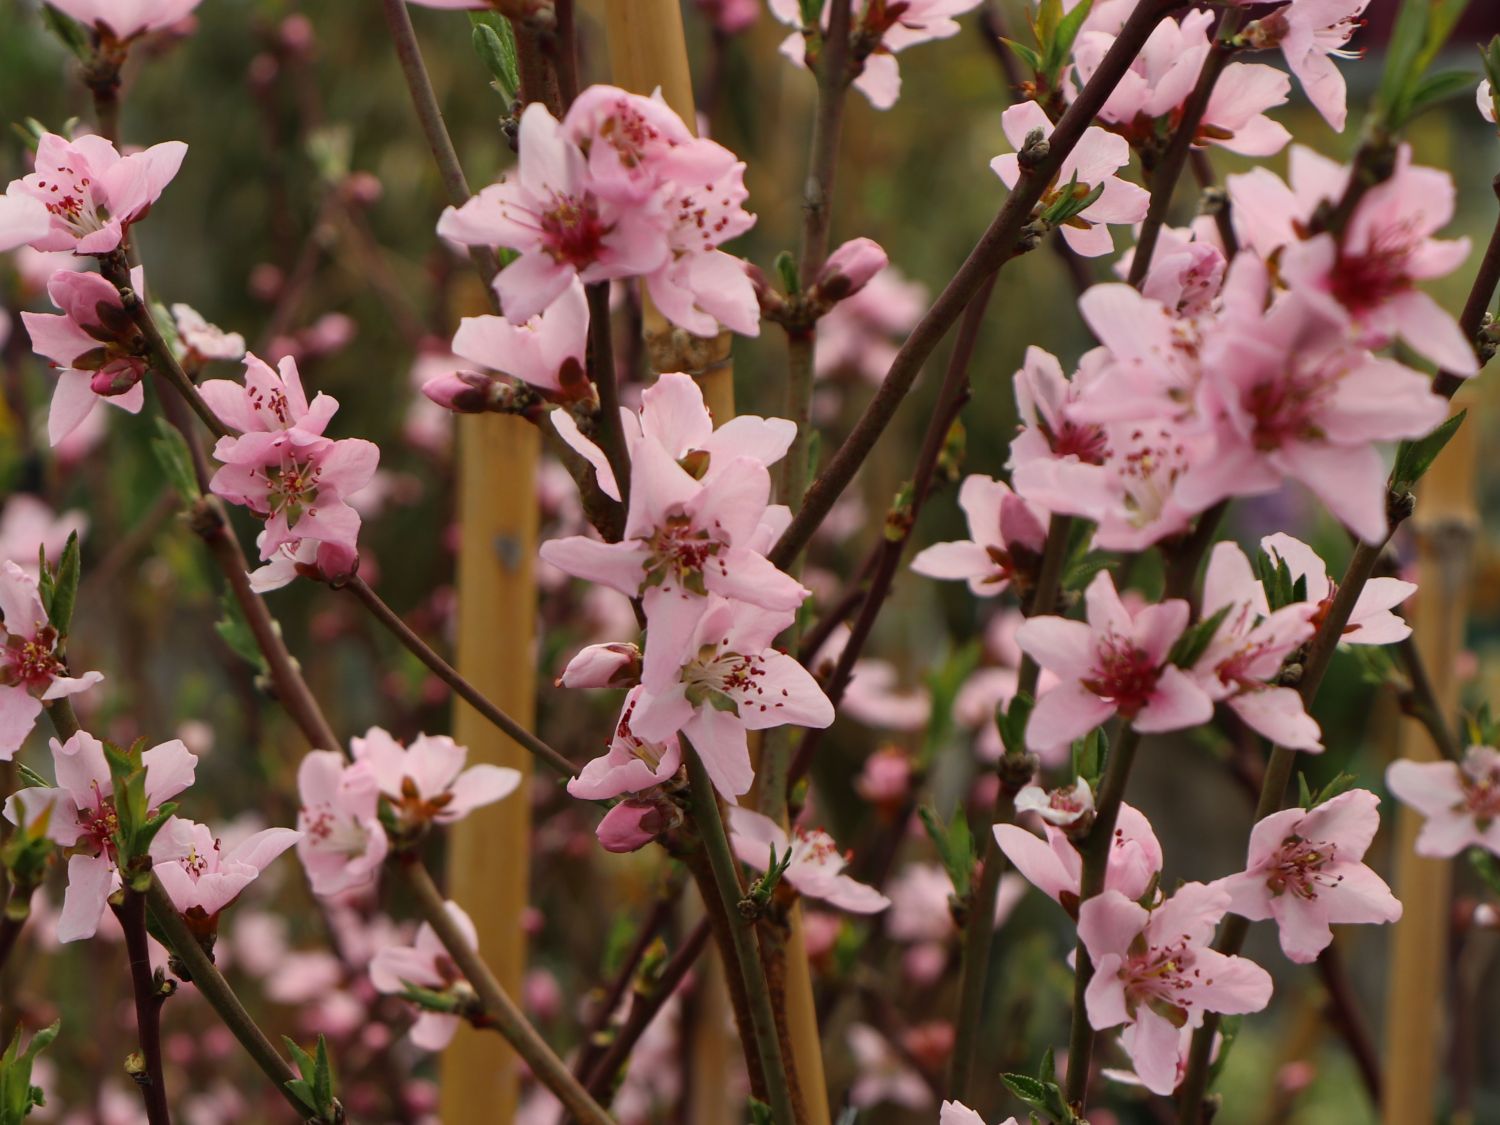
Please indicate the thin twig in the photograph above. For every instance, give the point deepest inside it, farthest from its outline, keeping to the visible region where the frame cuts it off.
(601, 362)
(148, 1000)
(1185, 132)
(993, 250)
(644, 1007)
(200, 970)
(500, 1012)
(1424, 705)
(450, 676)
(742, 956)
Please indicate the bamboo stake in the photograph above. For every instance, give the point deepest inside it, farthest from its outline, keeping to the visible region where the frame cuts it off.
(647, 51)
(1445, 523)
(489, 851)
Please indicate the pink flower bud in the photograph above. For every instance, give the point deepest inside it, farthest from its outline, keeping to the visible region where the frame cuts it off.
(886, 777)
(629, 826)
(850, 268)
(116, 379)
(463, 392)
(603, 666)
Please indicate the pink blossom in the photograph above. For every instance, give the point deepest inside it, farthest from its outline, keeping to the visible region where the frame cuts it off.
(956, 1113)
(32, 671)
(1311, 34)
(91, 344)
(549, 212)
(717, 677)
(674, 417)
(856, 333)
(284, 470)
(1368, 279)
(425, 782)
(1008, 535)
(686, 537)
(850, 268)
(1461, 801)
(1485, 96)
(639, 150)
(1061, 806)
(125, 19)
(1044, 404)
(873, 694)
(425, 964)
(630, 825)
(1155, 969)
(1095, 159)
(1161, 77)
(1299, 402)
(1371, 622)
(28, 528)
(1305, 871)
(816, 867)
(201, 876)
(891, 28)
(1114, 664)
(629, 765)
(1187, 269)
(205, 341)
(1248, 649)
(603, 665)
(883, 1074)
(1055, 867)
(545, 352)
(82, 819)
(730, 17)
(92, 192)
(342, 844)
(24, 219)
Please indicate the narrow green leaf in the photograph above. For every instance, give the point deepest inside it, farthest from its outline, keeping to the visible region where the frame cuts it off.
(1194, 643)
(176, 462)
(1414, 458)
(65, 589)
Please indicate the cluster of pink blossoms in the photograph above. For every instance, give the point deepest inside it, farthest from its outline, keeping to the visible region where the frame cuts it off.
(283, 467)
(620, 188)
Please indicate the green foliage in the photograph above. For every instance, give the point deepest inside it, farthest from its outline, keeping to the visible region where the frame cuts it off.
(1055, 32)
(943, 685)
(786, 270)
(26, 855)
(176, 461)
(137, 822)
(17, 1095)
(1414, 458)
(955, 847)
(1491, 57)
(1191, 646)
(495, 44)
(1089, 755)
(1276, 578)
(1012, 723)
(235, 631)
(1341, 783)
(1073, 200)
(1422, 28)
(1042, 1093)
(58, 589)
(316, 1088)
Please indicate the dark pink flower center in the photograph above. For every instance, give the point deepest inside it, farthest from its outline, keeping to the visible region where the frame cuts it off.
(679, 552)
(1481, 794)
(1123, 674)
(572, 231)
(1285, 408)
(1159, 976)
(30, 662)
(1362, 282)
(1298, 868)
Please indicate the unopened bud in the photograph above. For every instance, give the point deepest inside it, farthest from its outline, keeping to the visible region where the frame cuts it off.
(603, 666)
(463, 392)
(849, 269)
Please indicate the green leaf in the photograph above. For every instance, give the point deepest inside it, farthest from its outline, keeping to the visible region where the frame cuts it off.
(1042, 1094)
(812, 13)
(73, 35)
(1400, 58)
(1437, 88)
(786, 270)
(1487, 868)
(943, 685)
(495, 43)
(1414, 458)
(1194, 643)
(1012, 723)
(1491, 57)
(1072, 200)
(176, 462)
(1060, 49)
(1089, 754)
(17, 1094)
(235, 631)
(1025, 54)
(955, 847)
(65, 588)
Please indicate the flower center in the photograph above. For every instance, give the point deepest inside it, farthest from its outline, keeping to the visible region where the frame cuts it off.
(69, 197)
(1298, 868)
(333, 832)
(1147, 469)
(30, 662)
(1123, 674)
(679, 551)
(1362, 282)
(572, 231)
